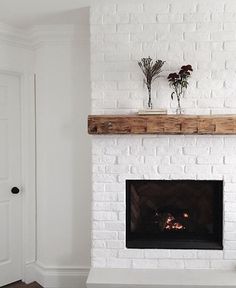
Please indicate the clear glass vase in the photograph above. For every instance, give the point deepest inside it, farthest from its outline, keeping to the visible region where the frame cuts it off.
(179, 111)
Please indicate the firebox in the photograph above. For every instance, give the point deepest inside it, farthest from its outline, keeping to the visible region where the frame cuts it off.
(175, 214)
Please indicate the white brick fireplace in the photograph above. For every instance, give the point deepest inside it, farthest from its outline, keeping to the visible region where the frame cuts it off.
(200, 33)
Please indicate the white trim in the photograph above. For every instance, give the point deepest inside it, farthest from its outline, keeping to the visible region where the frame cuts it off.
(55, 277)
(51, 34)
(38, 35)
(14, 36)
(28, 168)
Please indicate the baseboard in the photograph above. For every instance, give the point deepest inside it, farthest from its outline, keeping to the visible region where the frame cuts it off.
(50, 277)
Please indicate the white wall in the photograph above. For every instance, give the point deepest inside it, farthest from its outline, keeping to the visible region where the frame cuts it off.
(200, 33)
(60, 57)
(63, 151)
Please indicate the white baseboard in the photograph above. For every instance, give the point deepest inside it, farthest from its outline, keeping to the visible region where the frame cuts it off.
(50, 277)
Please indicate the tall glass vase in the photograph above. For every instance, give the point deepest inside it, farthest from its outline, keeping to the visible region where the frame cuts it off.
(150, 105)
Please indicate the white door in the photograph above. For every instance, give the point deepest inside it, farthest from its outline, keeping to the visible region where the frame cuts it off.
(10, 176)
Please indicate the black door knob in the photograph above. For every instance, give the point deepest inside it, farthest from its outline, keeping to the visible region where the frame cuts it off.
(15, 190)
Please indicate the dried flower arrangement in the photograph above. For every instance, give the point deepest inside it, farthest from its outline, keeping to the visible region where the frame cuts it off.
(151, 71)
(179, 82)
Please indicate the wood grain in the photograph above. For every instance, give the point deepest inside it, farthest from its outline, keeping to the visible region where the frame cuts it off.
(162, 124)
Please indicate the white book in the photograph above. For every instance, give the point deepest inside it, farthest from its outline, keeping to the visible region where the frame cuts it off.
(153, 112)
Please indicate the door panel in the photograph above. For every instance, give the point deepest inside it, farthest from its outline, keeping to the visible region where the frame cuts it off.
(10, 176)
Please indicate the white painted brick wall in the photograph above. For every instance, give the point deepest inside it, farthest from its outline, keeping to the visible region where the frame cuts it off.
(201, 33)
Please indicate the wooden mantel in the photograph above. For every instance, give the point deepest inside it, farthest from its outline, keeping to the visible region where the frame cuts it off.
(162, 124)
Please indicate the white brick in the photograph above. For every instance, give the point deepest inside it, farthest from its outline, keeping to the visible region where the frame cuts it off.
(230, 187)
(104, 197)
(185, 27)
(132, 160)
(104, 178)
(114, 226)
(230, 227)
(98, 244)
(119, 263)
(145, 264)
(224, 169)
(224, 17)
(196, 150)
(132, 253)
(170, 168)
(115, 244)
(99, 262)
(211, 6)
(104, 253)
(157, 160)
(171, 264)
(116, 18)
(114, 187)
(140, 150)
(204, 169)
(183, 159)
(230, 245)
(205, 254)
(223, 264)
(223, 36)
(173, 36)
(116, 38)
(197, 17)
(142, 18)
(127, 28)
(149, 36)
(98, 235)
(157, 254)
(196, 264)
(130, 7)
(231, 236)
(156, 6)
(183, 6)
(230, 6)
(210, 159)
(230, 255)
(230, 207)
(170, 18)
(106, 216)
(183, 254)
(116, 169)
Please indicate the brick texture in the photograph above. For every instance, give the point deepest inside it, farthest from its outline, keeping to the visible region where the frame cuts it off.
(201, 33)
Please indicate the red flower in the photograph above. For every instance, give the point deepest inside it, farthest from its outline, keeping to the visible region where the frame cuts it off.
(187, 68)
(173, 76)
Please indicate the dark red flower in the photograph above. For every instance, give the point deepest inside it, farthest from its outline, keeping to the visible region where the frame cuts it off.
(187, 68)
(173, 76)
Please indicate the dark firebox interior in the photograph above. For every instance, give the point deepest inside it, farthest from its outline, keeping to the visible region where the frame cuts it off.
(178, 214)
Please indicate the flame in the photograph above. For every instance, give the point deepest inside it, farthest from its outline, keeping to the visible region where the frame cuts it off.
(185, 215)
(171, 224)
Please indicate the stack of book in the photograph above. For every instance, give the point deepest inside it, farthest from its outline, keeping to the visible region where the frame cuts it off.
(153, 112)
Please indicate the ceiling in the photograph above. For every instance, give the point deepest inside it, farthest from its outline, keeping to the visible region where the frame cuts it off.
(25, 13)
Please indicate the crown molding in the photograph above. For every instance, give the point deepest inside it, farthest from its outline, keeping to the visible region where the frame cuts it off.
(51, 34)
(36, 36)
(14, 36)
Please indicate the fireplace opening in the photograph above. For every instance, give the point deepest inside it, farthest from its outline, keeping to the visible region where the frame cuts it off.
(175, 214)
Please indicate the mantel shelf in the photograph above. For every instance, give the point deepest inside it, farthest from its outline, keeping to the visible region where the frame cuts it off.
(162, 124)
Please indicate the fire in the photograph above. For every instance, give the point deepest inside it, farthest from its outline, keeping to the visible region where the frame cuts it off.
(171, 224)
(185, 215)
